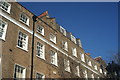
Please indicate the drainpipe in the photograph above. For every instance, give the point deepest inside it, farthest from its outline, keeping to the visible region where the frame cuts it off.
(32, 55)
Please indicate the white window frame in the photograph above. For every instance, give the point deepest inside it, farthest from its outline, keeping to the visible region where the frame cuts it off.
(43, 76)
(74, 52)
(95, 66)
(9, 6)
(100, 70)
(98, 78)
(62, 30)
(82, 57)
(105, 73)
(39, 31)
(26, 46)
(67, 65)
(27, 22)
(24, 71)
(53, 38)
(89, 63)
(77, 71)
(5, 29)
(53, 57)
(73, 38)
(0, 60)
(92, 76)
(85, 74)
(65, 45)
(80, 43)
(42, 55)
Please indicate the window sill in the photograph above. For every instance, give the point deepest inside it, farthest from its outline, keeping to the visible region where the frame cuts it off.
(5, 11)
(65, 49)
(53, 42)
(83, 61)
(77, 75)
(90, 65)
(55, 64)
(2, 39)
(40, 57)
(67, 71)
(40, 33)
(75, 56)
(22, 48)
(24, 23)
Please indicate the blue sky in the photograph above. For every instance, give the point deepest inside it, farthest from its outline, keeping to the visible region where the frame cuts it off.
(95, 23)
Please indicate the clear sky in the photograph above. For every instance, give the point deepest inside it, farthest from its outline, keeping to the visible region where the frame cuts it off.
(96, 24)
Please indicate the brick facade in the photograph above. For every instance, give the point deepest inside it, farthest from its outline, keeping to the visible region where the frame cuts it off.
(13, 55)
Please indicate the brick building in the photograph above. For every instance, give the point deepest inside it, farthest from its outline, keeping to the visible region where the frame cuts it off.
(41, 47)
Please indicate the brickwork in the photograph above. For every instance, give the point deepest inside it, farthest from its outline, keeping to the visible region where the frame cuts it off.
(12, 54)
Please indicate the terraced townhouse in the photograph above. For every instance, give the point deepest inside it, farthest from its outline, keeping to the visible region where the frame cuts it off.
(37, 47)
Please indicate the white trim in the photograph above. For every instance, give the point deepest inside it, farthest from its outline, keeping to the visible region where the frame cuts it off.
(77, 71)
(89, 63)
(5, 30)
(16, 22)
(105, 73)
(92, 76)
(9, 7)
(73, 39)
(62, 30)
(43, 39)
(21, 48)
(82, 56)
(79, 43)
(42, 30)
(24, 70)
(95, 67)
(65, 46)
(74, 52)
(85, 74)
(100, 70)
(67, 65)
(43, 57)
(28, 20)
(0, 60)
(53, 39)
(56, 59)
(50, 43)
(90, 69)
(26, 46)
(41, 74)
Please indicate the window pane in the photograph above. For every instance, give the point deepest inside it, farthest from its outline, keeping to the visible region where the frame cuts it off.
(40, 50)
(22, 40)
(2, 28)
(53, 38)
(53, 57)
(39, 76)
(40, 29)
(24, 18)
(4, 5)
(18, 72)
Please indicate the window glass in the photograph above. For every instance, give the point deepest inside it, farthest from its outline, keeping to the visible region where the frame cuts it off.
(40, 30)
(40, 50)
(24, 18)
(39, 76)
(22, 40)
(19, 72)
(3, 27)
(5, 6)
